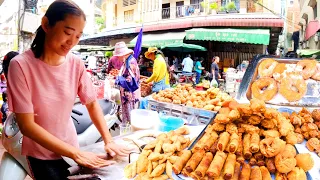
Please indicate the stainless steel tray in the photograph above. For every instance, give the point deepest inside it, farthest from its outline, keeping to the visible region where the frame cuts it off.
(311, 99)
(203, 116)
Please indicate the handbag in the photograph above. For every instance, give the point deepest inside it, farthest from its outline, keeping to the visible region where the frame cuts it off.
(130, 85)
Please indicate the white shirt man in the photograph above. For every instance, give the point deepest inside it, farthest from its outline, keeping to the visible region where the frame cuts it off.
(92, 62)
(187, 64)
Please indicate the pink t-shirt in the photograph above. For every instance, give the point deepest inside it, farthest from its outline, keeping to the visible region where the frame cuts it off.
(49, 92)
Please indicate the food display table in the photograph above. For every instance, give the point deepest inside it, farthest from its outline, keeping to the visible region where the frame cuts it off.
(117, 171)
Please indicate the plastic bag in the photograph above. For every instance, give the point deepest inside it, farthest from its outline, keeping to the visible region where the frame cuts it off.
(214, 83)
(107, 89)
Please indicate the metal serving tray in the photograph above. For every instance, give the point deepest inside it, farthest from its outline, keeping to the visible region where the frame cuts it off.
(311, 99)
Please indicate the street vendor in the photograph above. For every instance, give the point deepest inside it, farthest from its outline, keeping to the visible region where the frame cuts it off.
(114, 63)
(43, 83)
(160, 74)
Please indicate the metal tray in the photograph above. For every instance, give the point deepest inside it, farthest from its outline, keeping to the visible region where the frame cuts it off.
(311, 99)
(203, 116)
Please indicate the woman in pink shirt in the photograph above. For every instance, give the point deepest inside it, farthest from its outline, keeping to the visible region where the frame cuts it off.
(42, 86)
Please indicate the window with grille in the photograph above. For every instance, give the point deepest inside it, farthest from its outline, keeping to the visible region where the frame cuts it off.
(128, 2)
(128, 16)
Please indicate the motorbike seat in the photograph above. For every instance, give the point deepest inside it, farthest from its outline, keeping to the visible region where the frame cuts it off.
(82, 120)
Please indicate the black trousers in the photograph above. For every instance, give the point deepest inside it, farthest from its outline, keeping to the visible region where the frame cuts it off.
(48, 169)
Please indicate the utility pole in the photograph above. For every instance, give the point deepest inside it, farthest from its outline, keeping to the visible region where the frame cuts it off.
(19, 29)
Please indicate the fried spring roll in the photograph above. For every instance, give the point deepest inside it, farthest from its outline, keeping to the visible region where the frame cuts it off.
(265, 173)
(217, 164)
(240, 159)
(246, 146)
(245, 172)
(194, 160)
(261, 163)
(271, 165)
(237, 170)
(240, 146)
(228, 169)
(202, 142)
(255, 173)
(208, 144)
(181, 162)
(214, 148)
(223, 141)
(258, 156)
(252, 161)
(234, 143)
(254, 142)
(204, 164)
(194, 176)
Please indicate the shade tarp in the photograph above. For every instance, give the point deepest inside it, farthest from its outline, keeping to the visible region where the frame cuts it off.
(308, 52)
(183, 47)
(161, 39)
(250, 36)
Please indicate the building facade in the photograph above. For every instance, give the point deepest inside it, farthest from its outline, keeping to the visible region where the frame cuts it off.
(309, 23)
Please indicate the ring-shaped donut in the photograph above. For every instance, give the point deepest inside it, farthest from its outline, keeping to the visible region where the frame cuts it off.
(293, 88)
(316, 75)
(308, 67)
(264, 88)
(278, 71)
(266, 67)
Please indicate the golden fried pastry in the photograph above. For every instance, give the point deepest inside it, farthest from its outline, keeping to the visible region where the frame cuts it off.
(161, 177)
(222, 119)
(143, 176)
(151, 145)
(217, 164)
(285, 127)
(286, 115)
(169, 169)
(231, 128)
(204, 164)
(182, 161)
(234, 143)
(270, 113)
(234, 115)
(254, 142)
(130, 170)
(284, 163)
(268, 123)
(305, 161)
(155, 156)
(223, 141)
(271, 165)
(194, 160)
(300, 138)
(271, 134)
(261, 163)
(158, 170)
(297, 174)
(246, 146)
(313, 144)
(250, 128)
(316, 115)
(258, 156)
(218, 127)
(237, 171)
(244, 109)
(245, 172)
(281, 176)
(182, 131)
(257, 105)
(265, 173)
(291, 138)
(254, 120)
(142, 164)
(270, 147)
(229, 166)
(173, 159)
(289, 151)
(255, 173)
(295, 119)
(252, 161)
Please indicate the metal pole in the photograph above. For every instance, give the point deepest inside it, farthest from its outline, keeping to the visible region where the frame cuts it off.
(18, 29)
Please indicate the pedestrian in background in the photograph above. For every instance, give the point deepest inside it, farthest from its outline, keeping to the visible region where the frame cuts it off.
(198, 68)
(187, 64)
(215, 69)
(130, 71)
(114, 63)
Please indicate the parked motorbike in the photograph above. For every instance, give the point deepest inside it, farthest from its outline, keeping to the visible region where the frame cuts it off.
(14, 166)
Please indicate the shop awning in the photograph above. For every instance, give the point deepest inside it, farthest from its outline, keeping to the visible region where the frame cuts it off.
(308, 52)
(161, 39)
(250, 36)
(312, 28)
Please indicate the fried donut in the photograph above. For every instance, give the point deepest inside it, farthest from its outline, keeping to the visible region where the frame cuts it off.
(266, 67)
(278, 71)
(308, 68)
(271, 147)
(293, 88)
(285, 163)
(316, 75)
(264, 89)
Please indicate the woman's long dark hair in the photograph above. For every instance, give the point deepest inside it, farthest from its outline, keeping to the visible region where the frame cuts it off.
(6, 61)
(57, 11)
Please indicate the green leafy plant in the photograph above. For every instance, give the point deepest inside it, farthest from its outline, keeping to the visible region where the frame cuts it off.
(222, 8)
(108, 54)
(214, 6)
(231, 6)
(204, 4)
(100, 21)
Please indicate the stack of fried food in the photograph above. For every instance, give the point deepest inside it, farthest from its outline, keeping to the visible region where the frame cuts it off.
(262, 136)
(114, 72)
(146, 88)
(306, 126)
(211, 99)
(158, 156)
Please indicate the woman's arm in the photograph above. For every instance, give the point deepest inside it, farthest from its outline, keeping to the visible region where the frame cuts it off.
(97, 118)
(155, 72)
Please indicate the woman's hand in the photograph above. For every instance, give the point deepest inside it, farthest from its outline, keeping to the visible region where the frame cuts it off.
(91, 160)
(114, 149)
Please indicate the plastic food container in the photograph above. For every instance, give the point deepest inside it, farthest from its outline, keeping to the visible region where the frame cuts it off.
(142, 119)
(168, 123)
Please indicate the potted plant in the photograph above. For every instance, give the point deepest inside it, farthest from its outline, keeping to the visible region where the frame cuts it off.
(231, 6)
(222, 10)
(205, 5)
(214, 7)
